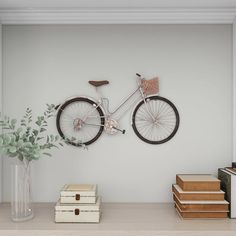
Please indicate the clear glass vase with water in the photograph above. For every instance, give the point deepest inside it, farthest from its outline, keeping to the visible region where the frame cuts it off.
(21, 202)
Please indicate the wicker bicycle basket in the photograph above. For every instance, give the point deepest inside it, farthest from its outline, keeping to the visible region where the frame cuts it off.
(150, 86)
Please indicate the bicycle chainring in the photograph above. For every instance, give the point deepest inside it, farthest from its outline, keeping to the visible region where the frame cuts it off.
(110, 126)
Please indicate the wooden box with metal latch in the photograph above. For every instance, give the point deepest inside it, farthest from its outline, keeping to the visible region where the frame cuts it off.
(79, 193)
(78, 213)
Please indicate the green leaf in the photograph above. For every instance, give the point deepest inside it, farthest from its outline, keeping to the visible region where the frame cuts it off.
(52, 138)
(31, 139)
(36, 155)
(20, 157)
(1, 141)
(3, 150)
(5, 128)
(13, 139)
(28, 144)
(7, 139)
(38, 122)
(13, 154)
(12, 149)
(23, 122)
(19, 130)
(42, 130)
(13, 121)
(35, 132)
(20, 143)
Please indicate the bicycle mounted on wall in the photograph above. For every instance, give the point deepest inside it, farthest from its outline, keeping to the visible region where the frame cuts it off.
(155, 119)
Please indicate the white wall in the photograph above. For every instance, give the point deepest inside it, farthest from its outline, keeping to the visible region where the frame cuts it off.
(1, 173)
(46, 64)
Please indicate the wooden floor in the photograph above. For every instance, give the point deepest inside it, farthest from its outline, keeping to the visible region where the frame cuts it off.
(118, 219)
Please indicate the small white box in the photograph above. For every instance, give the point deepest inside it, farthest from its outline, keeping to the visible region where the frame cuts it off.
(79, 193)
(80, 213)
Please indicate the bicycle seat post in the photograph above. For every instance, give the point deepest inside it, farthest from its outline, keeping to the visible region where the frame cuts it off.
(98, 92)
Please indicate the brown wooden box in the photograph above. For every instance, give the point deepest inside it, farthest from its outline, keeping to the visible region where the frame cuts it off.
(192, 215)
(202, 206)
(198, 182)
(197, 195)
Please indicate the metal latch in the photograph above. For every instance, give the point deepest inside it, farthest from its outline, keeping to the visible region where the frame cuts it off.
(77, 197)
(77, 211)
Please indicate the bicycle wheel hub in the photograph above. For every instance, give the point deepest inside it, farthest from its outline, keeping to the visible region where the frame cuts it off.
(77, 124)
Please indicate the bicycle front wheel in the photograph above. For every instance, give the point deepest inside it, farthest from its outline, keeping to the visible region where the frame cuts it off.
(156, 120)
(80, 120)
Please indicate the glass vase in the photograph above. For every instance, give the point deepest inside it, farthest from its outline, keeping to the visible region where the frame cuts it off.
(21, 204)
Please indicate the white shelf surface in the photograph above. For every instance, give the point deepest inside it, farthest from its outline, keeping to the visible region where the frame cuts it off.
(118, 219)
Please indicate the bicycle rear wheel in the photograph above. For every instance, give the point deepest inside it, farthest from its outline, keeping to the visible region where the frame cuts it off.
(156, 121)
(80, 120)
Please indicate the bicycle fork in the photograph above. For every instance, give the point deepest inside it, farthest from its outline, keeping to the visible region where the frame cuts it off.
(147, 105)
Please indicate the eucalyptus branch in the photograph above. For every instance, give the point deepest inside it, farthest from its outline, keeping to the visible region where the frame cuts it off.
(27, 141)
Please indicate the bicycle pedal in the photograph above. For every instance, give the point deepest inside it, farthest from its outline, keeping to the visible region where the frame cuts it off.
(123, 131)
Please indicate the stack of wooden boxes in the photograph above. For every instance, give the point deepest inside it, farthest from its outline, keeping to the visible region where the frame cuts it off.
(78, 203)
(199, 196)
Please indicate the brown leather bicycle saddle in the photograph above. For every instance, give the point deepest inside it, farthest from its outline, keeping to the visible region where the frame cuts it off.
(98, 82)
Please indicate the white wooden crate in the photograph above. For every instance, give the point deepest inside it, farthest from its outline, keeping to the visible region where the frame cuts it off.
(83, 213)
(79, 193)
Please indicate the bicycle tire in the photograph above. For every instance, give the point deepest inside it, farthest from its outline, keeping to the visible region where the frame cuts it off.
(85, 101)
(166, 102)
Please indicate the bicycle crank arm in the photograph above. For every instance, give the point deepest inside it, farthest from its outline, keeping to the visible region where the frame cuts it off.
(122, 131)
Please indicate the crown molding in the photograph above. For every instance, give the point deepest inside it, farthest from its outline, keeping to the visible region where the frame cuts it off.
(118, 16)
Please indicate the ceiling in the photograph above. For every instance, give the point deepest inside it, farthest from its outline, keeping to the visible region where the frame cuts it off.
(35, 4)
